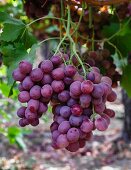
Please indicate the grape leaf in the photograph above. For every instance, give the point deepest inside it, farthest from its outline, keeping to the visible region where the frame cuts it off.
(126, 79)
(11, 31)
(122, 40)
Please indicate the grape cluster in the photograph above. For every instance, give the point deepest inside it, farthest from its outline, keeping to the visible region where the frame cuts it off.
(38, 8)
(78, 104)
(102, 59)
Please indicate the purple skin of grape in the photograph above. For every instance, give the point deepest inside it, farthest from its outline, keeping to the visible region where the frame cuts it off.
(36, 75)
(25, 67)
(46, 66)
(21, 112)
(70, 70)
(46, 91)
(65, 111)
(64, 96)
(57, 86)
(64, 127)
(58, 74)
(62, 141)
(75, 121)
(73, 135)
(24, 97)
(54, 126)
(87, 126)
(17, 75)
(27, 83)
(35, 92)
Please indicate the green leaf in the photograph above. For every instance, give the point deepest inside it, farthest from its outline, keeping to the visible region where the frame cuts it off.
(4, 17)
(11, 31)
(110, 30)
(11, 89)
(28, 39)
(5, 88)
(122, 40)
(126, 79)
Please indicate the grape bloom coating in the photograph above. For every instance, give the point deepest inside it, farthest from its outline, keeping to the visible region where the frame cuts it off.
(78, 104)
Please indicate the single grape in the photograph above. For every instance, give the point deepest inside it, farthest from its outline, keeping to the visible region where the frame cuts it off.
(97, 77)
(109, 112)
(57, 86)
(64, 96)
(65, 111)
(87, 86)
(64, 127)
(91, 76)
(24, 97)
(47, 79)
(33, 105)
(58, 74)
(54, 126)
(73, 135)
(35, 92)
(99, 108)
(25, 67)
(46, 66)
(17, 75)
(106, 80)
(87, 126)
(62, 141)
(55, 134)
(21, 112)
(76, 110)
(46, 91)
(70, 70)
(73, 147)
(97, 91)
(85, 100)
(101, 124)
(36, 74)
(42, 107)
(71, 102)
(23, 122)
(56, 60)
(35, 122)
(75, 88)
(27, 83)
(30, 115)
(75, 121)
(106, 87)
(112, 96)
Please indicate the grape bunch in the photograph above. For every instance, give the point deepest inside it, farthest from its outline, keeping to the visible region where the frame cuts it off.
(102, 59)
(78, 102)
(38, 8)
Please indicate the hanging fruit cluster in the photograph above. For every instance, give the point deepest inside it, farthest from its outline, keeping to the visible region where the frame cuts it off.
(78, 102)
